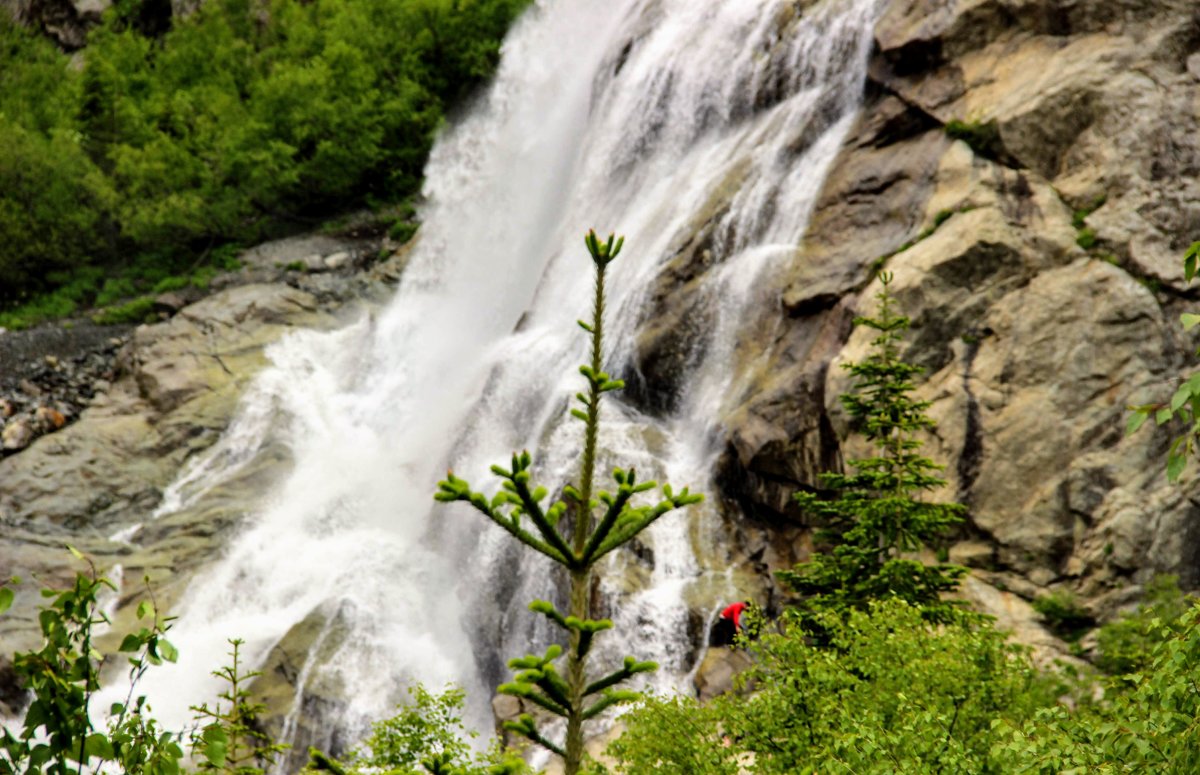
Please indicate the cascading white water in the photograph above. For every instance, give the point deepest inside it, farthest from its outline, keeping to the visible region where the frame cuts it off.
(623, 115)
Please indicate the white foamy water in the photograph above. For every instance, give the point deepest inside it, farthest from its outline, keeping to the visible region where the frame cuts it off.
(634, 116)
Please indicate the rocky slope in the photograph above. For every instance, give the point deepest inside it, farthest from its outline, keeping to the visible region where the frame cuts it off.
(1040, 260)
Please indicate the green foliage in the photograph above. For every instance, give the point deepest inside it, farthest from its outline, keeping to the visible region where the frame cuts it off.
(139, 310)
(877, 520)
(1064, 615)
(1086, 238)
(1154, 726)
(982, 137)
(674, 734)
(889, 692)
(1126, 643)
(426, 736)
(73, 292)
(599, 522)
(1184, 406)
(231, 739)
(57, 735)
(1079, 217)
(403, 231)
(54, 206)
(244, 120)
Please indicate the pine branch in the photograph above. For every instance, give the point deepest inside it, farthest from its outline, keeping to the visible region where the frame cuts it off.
(610, 699)
(616, 509)
(631, 668)
(454, 489)
(526, 727)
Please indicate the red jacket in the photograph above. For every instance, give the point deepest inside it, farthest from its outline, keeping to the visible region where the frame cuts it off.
(733, 612)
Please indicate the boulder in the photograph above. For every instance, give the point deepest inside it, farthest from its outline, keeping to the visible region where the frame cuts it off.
(717, 671)
(17, 435)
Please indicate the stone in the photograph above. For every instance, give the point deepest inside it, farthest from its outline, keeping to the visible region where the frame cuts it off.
(339, 260)
(170, 303)
(50, 418)
(717, 670)
(7, 408)
(17, 435)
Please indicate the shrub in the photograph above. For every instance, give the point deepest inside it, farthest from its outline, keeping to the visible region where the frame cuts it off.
(54, 206)
(245, 120)
(889, 692)
(1125, 644)
(427, 735)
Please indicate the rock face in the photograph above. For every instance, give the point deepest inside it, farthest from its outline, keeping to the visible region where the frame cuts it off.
(1044, 283)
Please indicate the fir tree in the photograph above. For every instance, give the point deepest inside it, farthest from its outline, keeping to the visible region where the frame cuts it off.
(877, 519)
(599, 522)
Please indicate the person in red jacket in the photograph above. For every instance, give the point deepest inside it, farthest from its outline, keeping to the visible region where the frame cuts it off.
(729, 624)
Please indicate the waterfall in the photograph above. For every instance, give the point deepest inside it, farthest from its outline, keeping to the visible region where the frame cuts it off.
(627, 115)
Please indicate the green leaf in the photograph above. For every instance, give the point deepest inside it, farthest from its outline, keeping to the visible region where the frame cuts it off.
(1181, 397)
(1189, 320)
(1176, 462)
(6, 599)
(78, 555)
(1136, 420)
(98, 746)
(1163, 416)
(216, 743)
(1189, 261)
(167, 650)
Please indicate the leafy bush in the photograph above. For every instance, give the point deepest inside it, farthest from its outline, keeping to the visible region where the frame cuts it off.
(54, 206)
(1154, 726)
(426, 736)
(1125, 644)
(889, 693)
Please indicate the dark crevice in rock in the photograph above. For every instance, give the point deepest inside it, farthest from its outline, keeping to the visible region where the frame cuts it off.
(893, 117)
(970, 459)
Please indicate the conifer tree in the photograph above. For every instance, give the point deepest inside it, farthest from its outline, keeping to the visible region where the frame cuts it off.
(593, 523)
(877, 519)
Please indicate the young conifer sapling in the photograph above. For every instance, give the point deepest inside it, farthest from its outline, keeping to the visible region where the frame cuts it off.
(599, 522)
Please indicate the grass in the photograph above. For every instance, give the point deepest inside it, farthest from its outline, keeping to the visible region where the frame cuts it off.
(983, 137)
